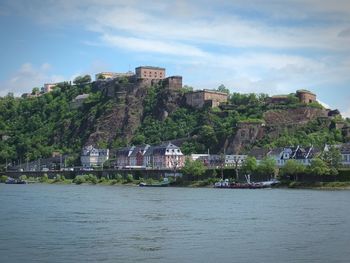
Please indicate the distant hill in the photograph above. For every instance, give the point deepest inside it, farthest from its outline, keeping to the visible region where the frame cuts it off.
(126, 111)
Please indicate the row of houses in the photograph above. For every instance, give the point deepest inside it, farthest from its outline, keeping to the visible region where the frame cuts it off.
(303, 155)
(163, 156)
(169, 156)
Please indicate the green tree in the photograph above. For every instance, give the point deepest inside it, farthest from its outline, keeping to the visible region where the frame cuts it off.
(267, 167)
(249, 166)
(101, 77)
(139, 139)
(193, 168)
(332, 157)
(80, 80)
(186, 89)
(207, 135)
(35, 91)
(292, 168)
(319, 167)
(222, 88)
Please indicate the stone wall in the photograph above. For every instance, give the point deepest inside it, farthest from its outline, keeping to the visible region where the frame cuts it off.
(174, 82)
(198, 99)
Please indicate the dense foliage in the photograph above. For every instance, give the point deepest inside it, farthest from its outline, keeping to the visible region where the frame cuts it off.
(34, 127)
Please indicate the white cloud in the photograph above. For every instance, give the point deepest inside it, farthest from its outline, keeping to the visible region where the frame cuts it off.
(346, 113)
(28, 77)
(154, 46)
(275, 47)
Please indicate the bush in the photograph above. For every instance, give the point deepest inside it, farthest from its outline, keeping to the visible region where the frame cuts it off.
(119, 178)
(102, 180)
(129, 178)
(201, 183)
(90, 178)
(44, 178)
(113, 182)
(23, 177)
(59, 178)
(3, 178)
(337, 184)
(151, 181)
(294, 185)
(80, 179)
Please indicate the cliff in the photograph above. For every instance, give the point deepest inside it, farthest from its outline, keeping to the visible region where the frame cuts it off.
(275, 123)
(128, 110)
(298, 116)
(131, 97)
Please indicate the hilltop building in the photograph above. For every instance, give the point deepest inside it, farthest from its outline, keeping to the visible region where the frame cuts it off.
(149, 72)
(48, 87)
(306, 96)
(200, 98)
(173, 82)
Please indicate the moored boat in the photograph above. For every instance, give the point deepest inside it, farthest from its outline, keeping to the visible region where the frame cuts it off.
(15, 181)
(162, 184)
(249, 185)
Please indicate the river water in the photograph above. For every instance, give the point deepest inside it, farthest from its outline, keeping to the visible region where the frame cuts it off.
(69, 223)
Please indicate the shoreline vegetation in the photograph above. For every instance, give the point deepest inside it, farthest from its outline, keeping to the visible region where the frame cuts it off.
(206, 183)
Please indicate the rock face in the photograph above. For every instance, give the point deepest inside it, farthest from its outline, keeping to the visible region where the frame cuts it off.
(247, 133)
(131, 94)
(298, 116)
(276, 122)
(125, 117)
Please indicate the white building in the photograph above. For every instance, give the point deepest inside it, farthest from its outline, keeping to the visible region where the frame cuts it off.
(48, 87)
(345, 154)
(344, 151)
(91, 156)
(234, 160)
(303, 155)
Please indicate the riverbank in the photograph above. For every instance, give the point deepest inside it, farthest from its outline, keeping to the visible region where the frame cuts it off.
(179, 182)
(317, 185)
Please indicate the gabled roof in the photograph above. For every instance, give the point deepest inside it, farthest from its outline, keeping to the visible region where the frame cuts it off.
(124, 151)
(142, 149)
(162, 149)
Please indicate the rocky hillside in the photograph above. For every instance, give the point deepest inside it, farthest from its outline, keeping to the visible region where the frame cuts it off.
(298, 116)
(133, 101)
(126, 111)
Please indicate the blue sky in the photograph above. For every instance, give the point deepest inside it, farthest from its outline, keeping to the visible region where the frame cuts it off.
(276, 47)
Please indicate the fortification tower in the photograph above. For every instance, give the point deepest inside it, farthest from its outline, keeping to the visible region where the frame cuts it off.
(306, 96)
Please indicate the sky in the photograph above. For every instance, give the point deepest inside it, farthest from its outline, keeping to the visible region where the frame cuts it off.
(270, 46)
